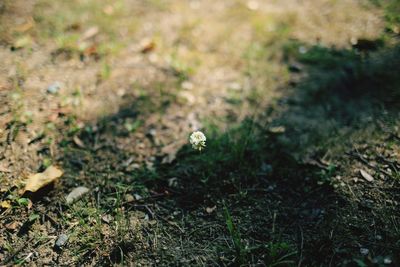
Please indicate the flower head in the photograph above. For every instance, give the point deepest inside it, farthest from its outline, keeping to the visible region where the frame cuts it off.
(198, 140)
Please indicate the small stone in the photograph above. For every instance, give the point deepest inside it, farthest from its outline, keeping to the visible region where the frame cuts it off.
(270, 188)
(173, 182)
(54, 88)
(210, 210)
(61, 240)
(387, 260)
(76, 194)
(364, 251)
(153, 132)
(302, 50)
(366, 176)
(266, 168)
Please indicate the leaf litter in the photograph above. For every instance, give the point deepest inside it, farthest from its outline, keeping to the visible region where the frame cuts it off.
(39, 180)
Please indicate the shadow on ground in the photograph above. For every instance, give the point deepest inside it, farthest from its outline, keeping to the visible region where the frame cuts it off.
(278, 191)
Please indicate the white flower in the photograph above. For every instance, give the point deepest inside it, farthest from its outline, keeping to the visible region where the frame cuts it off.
(198, 140)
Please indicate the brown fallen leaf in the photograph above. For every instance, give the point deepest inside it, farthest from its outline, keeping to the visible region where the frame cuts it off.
(147, 46)
(39, 180)
(366, 176)
(90, 51)
(12, 225)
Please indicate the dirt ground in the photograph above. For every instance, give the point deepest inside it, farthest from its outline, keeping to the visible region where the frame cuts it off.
(299, 101)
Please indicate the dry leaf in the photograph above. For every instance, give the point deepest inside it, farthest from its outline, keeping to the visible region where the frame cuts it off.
(39, 180)
(148, 47)
(12, 225)
(366, 176)
(6, 204)
(90, 51)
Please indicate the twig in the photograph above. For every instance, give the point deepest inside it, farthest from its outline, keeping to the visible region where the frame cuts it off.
(301, 247)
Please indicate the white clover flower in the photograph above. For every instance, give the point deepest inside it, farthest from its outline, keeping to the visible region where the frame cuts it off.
(198, 140)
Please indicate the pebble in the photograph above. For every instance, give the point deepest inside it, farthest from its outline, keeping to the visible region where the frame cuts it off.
(54, 88)
(137, 196)
(387, 260)
(364, 251)
(302, 50)
(76, 194)
(61, 240)
(366, 176)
